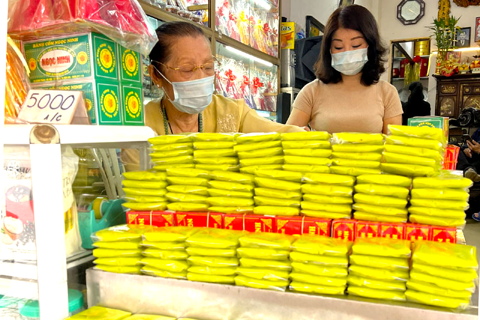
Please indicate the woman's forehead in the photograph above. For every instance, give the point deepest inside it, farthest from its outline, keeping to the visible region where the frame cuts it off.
(190, 49)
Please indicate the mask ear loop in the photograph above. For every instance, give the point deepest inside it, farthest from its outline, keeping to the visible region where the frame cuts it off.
(164, 91)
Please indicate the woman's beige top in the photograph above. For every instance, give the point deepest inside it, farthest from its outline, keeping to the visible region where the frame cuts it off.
(349, 107)
(222, 115)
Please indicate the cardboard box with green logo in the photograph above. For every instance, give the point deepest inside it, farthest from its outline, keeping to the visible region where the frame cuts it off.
(109, 75)
(432, 122)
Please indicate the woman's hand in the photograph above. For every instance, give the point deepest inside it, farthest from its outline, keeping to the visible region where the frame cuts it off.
(474, 146)
(468, 152)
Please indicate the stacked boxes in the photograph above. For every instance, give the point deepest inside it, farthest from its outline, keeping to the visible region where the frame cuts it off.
(264, 261)
(109, 75)
(319, 265)
(277, 192)
(327, 195)
(230, 192)
(442, 275)
(307, 151)
(381, 198)
(117, 249)
(440, 201)
(172, 151)
(413, 151)
(259, 151)
(164, 252)
(379, 268)
(187, 191)
(213, 256)
(214, 151)
(145, 190)
(356, 153)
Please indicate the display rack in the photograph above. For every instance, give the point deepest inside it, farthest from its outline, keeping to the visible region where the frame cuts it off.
(219, 41)
(45, 142)
(179, 298)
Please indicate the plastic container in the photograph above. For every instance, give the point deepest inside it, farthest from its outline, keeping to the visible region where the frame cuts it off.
(31, 309)
(9, 308)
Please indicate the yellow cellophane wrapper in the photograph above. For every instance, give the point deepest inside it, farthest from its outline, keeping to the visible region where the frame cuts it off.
(151, 271)
(306, 144)
(170, 154)
(257, 137)
(368, 156)
(280, 175)
(229, 202)
(188, 181)
(210, 278)
(145, 176)
(172, 146)
(174, 160)
(118, 261)
(310, 135)
(325, 214)
(277, 285)
(445, 180)
(445, 255)
(327, 190)
(129, 192)
(276, 211)
(166, 265)
(169, 234)
(319, 270)
(382, 190)
(418, 132)
(279, 194)
(411, 151)
(231, 209)
(436, 290)
(317, 153)
(462, 275)
(215, 271)
(380, 262)
(379, 274)
(277, 184)
(185, 197)
(146, 199)
(146, 206)
(257, 146)
(323, 260)
(188, 207)
(356, 163)
(353, 171)
(262, 161)
(385, 179)
(304, 168)
(415, 142)
(441, 194)
(118, 245)
(437, 221)
(358, 138)
(390, 157)
(327, 207)
(252, 169)
(188, 173)
(327, 199)
(357, 148)
(380, 200)
(232, 177)
(215, 238)
(366, 216)
(216, 262)
(262, 253)
(266, 264)
(260, 153)
(199, 145)
(376, 294)
(442, 204)
(382, 247)
(315, 288)
(209, 137)
(226, 253)
(322, 246)
(233, 186)
(339, 180)
(223, 167)
(164, 167)
(376, 284)
(119, 269)
(165, 254)
(101, 313)
(267, 201)
(218, 161)
(263, 274)
(435, 212)
(436, 300)
(323, 281)
(307, 161)
(164, 245)
(267, 240)
(121, 233)
(171, 139)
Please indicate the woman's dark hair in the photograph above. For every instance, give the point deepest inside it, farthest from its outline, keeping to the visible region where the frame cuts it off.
(167, 34)
(417, 92)
(357, 18)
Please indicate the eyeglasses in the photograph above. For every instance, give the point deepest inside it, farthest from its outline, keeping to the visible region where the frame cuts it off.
(188, 69)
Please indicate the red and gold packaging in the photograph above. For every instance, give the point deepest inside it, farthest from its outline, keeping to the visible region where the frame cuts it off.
(443, 234)
(303, 225)
(251, 223)
(392, 230)
(199, 219)
(153, 218)
(368, 229)
(344, 229)
(415, 232)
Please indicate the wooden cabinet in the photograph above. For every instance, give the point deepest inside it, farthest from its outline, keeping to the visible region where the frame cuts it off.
(457, 93)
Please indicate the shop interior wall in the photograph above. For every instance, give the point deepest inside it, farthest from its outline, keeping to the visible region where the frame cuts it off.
(390, 27)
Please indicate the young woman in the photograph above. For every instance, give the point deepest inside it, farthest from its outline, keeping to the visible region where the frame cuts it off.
(347, 95)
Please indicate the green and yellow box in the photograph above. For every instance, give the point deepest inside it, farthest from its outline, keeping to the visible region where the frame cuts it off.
(432, 122)
(109, 75)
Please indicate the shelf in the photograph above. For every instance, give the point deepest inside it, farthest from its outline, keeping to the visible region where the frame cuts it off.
(163, 15)
(84, 135)
(214, 301)
(402, 58)
(401, 79)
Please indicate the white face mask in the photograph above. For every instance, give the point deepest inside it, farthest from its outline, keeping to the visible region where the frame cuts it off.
(350, 62)
(193, 96)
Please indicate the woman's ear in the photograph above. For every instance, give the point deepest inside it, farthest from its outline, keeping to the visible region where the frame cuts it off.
(156, 78)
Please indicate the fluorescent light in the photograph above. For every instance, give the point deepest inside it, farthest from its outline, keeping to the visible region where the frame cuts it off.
(264, 4)
(462, 49)
(266, 63)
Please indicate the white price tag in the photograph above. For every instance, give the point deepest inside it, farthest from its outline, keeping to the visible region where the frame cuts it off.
(55, 107)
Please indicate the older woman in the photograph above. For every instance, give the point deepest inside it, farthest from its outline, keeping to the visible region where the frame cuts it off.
(182, 65)
(348, 95)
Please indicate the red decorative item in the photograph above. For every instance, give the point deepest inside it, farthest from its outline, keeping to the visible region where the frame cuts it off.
(199, 219)
(251, 223)
(417, 59)
(394, 231)
(153, 218)
(367, 229)
(451, 157)
(303, 225)
(417, 232)
(424, 67)
(256, 84)
(344, 229)
(443, 234)
(122, 20)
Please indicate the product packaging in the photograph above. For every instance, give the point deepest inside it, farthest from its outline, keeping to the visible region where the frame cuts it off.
(152, 218)
(344, 229)
(250, 223)
(199, 219)
(303, 225)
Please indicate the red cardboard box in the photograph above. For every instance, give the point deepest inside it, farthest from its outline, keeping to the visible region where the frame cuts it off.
(368, 229)
(303, 225)
(199, 219)
(251, 223)
(424, 67)
(392, 230)
(344, 229)
(414, 232)
(443, 234)
(153, 218)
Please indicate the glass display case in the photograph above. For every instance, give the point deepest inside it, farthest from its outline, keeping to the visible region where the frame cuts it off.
(242, 76)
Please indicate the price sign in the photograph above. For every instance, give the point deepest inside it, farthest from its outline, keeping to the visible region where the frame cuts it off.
(54, 107)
